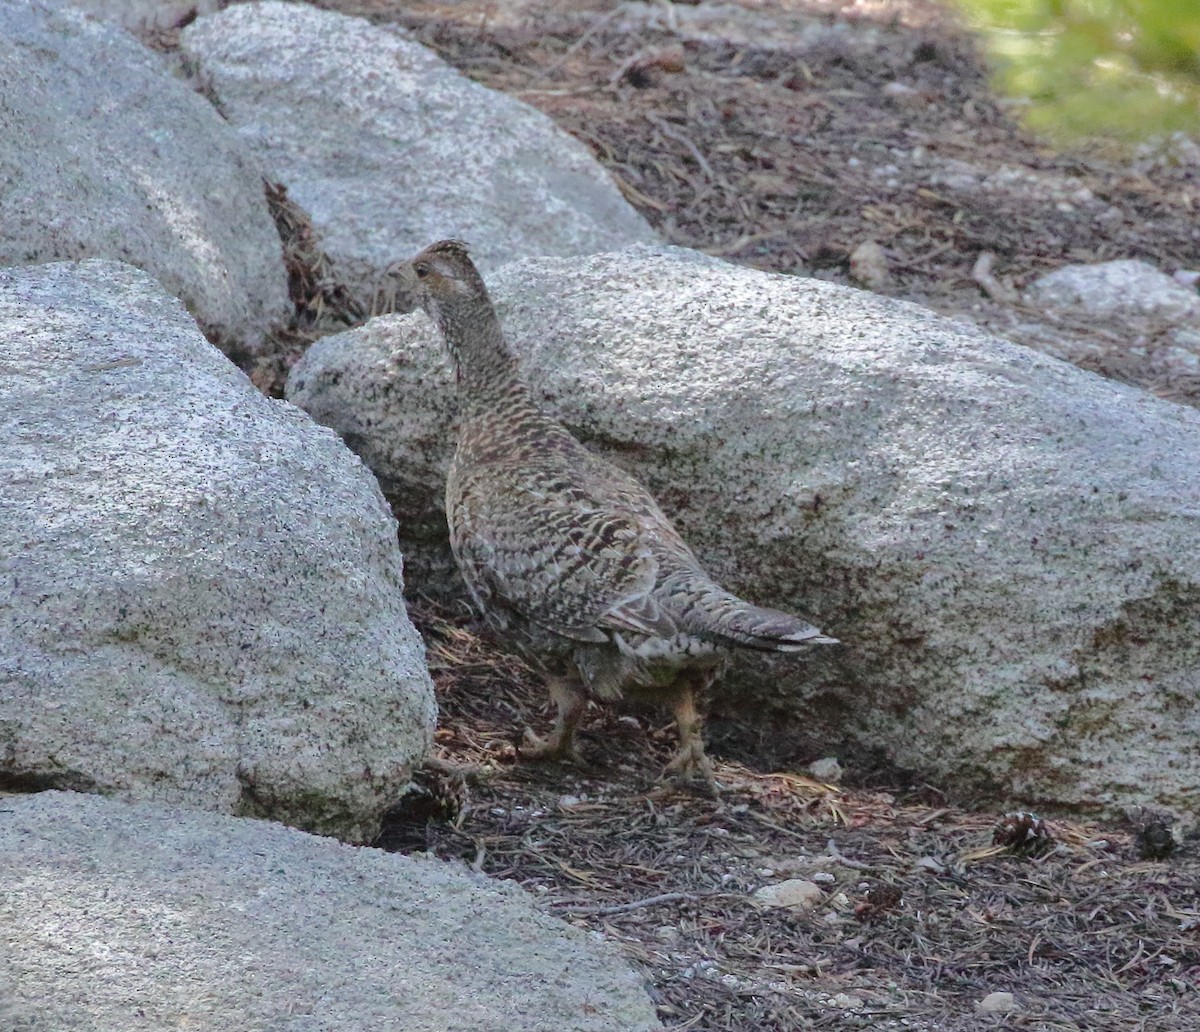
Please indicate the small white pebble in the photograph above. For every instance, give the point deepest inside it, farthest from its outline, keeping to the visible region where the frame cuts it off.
(847, 1002)
(869, 266)
(766, 872)
(826, 769)
(569, 800)
(998, 1003)
(793, 894)
(824, 876)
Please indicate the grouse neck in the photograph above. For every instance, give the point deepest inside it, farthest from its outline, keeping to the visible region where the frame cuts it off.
(483, 361)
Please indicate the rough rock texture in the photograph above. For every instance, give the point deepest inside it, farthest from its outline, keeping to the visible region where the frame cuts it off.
(116, 917)
(200, 590)
(1156, 315)
(788, 28)
(143, 15)
(104, 154)
(1005, 543)
(1126, 287)
(396, 409)
(388, 148)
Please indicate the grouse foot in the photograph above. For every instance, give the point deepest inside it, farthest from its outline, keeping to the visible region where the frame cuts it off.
(691, 763)
(571, 701)
(557, 747)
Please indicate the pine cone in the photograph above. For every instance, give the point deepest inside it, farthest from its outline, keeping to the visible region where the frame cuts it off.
(881, 899)
(1024, 834)
(1154, 840)
(434, 797)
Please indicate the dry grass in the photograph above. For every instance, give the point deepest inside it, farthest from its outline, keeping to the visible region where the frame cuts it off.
(921, 916)
(321, 300)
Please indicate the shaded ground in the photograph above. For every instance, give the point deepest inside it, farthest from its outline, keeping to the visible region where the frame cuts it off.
(920, 916)
(785, 134)
(786, 143)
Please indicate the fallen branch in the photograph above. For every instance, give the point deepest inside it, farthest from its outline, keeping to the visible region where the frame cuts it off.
(982, 274)
(637, 904)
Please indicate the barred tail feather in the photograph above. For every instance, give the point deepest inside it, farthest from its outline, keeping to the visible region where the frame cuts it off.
(720, 616)
(770, 630)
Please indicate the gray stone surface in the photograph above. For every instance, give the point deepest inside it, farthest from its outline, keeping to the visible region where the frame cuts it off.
(388, 148)
(104, 154)
(117, 917)
(1125, 287)
(200, 589)
(388, 389)
(1005, 543)
(786, 28)
(148, 15)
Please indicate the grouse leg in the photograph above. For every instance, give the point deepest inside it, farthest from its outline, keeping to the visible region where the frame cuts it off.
(569, 696)
(690, 761)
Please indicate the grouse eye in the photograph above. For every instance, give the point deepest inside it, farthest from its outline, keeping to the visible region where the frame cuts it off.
(421, 269)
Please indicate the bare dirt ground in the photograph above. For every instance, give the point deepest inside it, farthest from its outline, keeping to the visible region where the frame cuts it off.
(785, 134)
(920, 916)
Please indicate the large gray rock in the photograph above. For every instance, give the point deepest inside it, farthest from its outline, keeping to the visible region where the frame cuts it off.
(388, 389)
(1156, 318)
(104, 154)
(388, 148)
(200, 589)
(148, 15)
(1115, 289)
(1005, 543)
(116, 917)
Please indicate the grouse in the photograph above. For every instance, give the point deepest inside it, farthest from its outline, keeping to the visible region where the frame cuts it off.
(569, 557)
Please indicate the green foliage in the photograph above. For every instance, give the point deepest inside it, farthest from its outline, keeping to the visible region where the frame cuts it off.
(1120, 68)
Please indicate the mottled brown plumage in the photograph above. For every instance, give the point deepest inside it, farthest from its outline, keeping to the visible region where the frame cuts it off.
(566, 554)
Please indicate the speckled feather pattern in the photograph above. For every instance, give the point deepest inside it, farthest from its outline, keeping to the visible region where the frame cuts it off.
(563, 550)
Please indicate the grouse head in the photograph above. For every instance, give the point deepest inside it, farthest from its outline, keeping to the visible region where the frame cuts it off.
(444, 278)
(445, 282)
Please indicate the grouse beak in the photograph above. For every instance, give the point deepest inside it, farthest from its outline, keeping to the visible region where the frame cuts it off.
(402, 271)
(409, 296)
